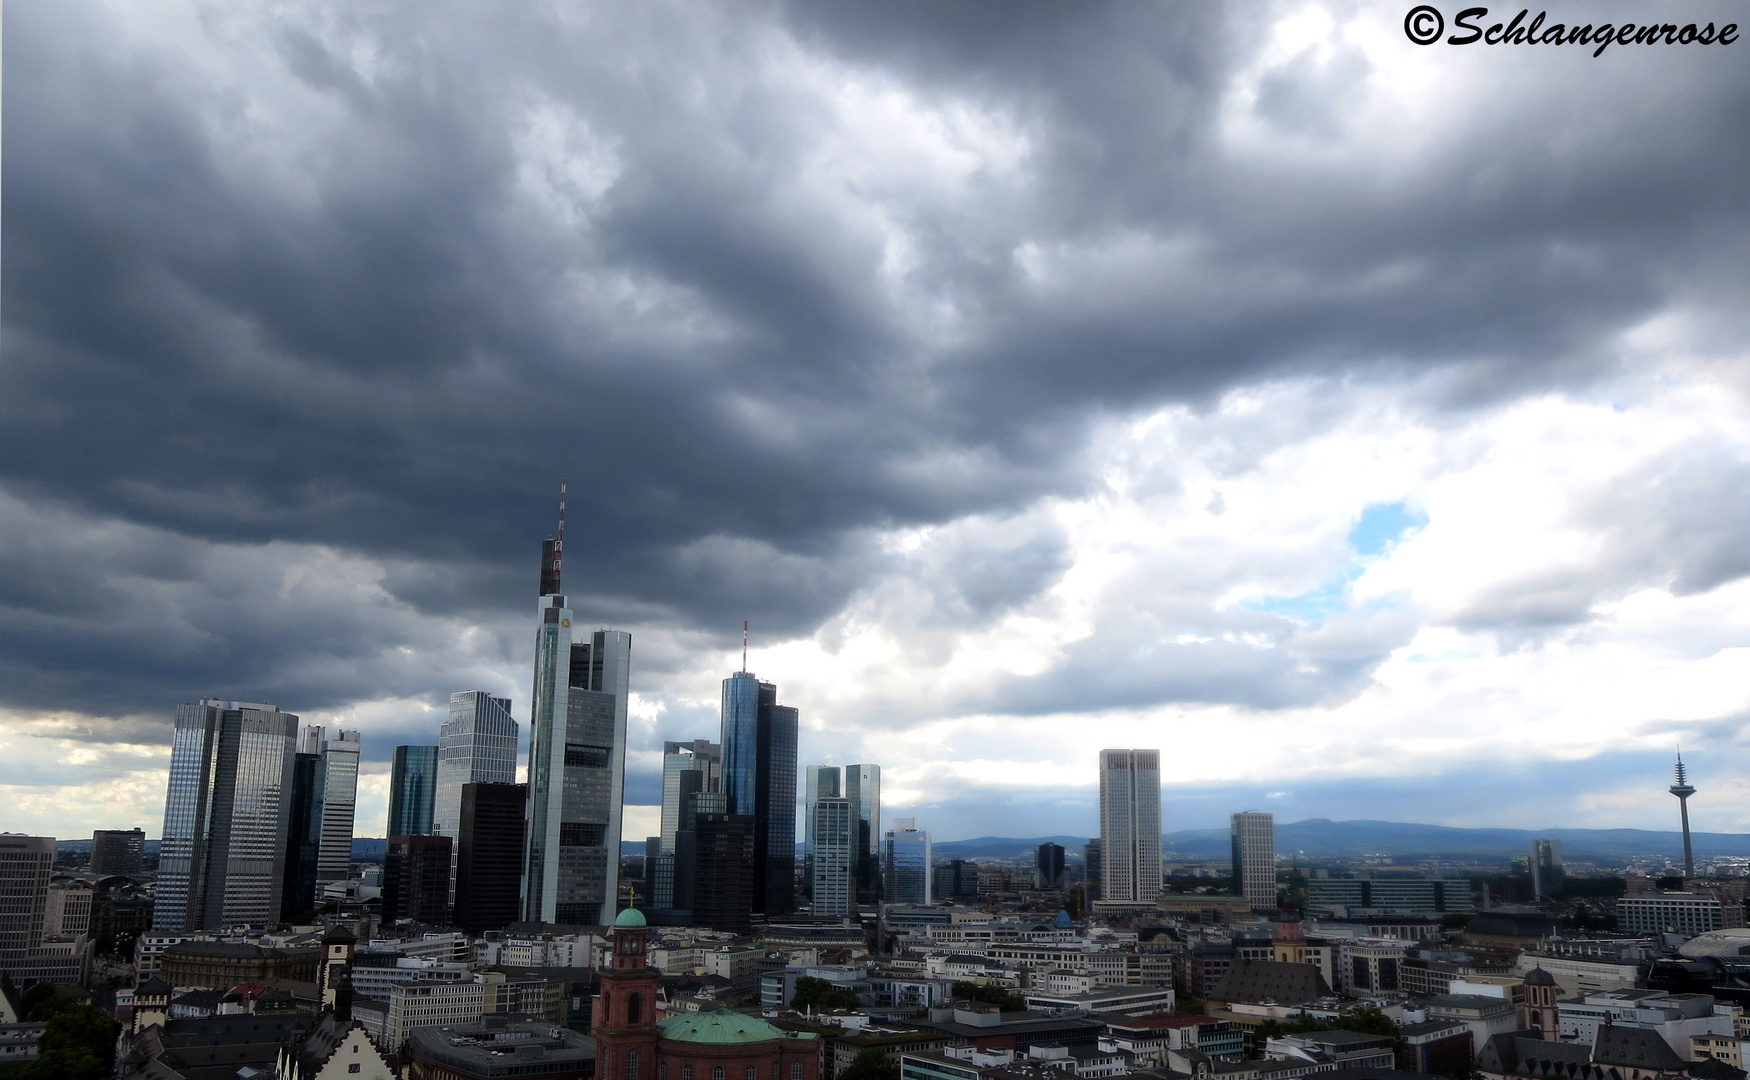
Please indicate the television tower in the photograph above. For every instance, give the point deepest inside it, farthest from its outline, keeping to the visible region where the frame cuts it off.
(1683, 791)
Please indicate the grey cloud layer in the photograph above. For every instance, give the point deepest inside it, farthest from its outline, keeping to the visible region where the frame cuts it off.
(310, 299)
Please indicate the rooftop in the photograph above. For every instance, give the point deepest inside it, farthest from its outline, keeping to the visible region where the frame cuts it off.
(721, 1027)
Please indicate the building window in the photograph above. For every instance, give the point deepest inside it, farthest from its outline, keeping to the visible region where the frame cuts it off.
(662, 1070)
(634, 1010)
(717, 1073)
(686, 1072)
(751, 1073)
(632, 1058)
(795, 1070)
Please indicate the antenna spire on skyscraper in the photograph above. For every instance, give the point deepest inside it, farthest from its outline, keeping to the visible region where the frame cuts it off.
(559, 540)
(744, 646)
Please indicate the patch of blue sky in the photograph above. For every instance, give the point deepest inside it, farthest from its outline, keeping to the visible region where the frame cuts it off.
(1328, 598)
(1382, 525)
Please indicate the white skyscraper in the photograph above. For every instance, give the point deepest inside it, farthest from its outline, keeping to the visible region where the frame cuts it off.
(577, 760)
(476, 745)
(833, 869)
(818, 782)
(227, 812)
(1130, 824)
(1254, 858)
(340, 767)
(701, 757)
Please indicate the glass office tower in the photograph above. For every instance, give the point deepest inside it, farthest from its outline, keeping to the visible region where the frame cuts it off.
(476, 745)
(907, 864)
(577, 762)
(818, 782)
(340, 781)
(412, 790)
(759, 777)
(863, 788)
(227, 812)
(303, 836)
(1253, 836)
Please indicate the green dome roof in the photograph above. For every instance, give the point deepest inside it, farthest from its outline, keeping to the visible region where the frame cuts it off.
(631, 917)
(719, 1026)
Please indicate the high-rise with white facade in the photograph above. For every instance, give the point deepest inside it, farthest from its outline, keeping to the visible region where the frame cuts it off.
(1253, 836)
(26, 863)
(1130, 824)
(340, 781)
(476, 745)
(906, 864)
(227, 813)
(577, 760)
(863, 788)
(701, 757)
(832, 871)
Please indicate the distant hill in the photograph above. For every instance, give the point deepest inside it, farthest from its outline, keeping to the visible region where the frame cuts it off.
(1321, 837)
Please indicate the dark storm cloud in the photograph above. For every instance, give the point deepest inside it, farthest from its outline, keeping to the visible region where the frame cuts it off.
(293, 290)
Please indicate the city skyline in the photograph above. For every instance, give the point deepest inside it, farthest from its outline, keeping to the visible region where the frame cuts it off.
(1140, 372)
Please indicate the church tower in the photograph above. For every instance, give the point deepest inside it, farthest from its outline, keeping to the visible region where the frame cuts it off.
(337, 947)
(1540, 1004)
(624, 1024)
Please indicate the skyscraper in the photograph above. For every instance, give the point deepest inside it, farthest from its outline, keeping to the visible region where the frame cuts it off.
(416, 879)
(226, 816)
(863, 788)
(340, 781)
(303, 836)
(1130, 824)
(1093, 864)
(1253, 836)
(489, 853)
(1546, 869)
(1048, 866)
(117, 851)
(26, 863)
(759, 776)
(818, 782)
(412, 790)
(701, 757)
(907, 864)
(832, 868)
(725, 870)
(476, 745)
(577, 761)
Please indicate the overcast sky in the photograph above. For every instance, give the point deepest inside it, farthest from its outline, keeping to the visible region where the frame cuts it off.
(1366, 425)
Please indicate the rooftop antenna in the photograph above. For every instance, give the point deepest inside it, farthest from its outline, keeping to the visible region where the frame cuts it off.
(744, 646)
(559, 541)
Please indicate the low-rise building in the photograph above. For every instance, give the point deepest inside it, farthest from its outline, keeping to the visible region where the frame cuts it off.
(498, 1048)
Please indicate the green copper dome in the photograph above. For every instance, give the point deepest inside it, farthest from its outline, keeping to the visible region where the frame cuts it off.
(630, 917)
(719, 1026)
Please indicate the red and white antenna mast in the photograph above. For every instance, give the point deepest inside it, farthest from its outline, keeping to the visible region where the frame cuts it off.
(744, 646)
(559, 541)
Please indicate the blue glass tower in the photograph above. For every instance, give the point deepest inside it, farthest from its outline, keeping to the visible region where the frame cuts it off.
(759, 778)
(412, 790)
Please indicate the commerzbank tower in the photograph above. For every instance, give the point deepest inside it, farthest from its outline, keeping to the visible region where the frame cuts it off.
(577, 758)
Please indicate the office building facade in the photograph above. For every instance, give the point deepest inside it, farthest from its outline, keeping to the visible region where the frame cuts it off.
(26, 863)
(118, 852)
(1253, 837)
(340, 781)
(907, 864)
(759, 776)
(703, 759)
(1130, 824)
(818, 782)
(863, 788)
(476, 745)
(725, 871)
(416, 880)
(1092, 866)
(412, 790)
(489, 856)
(1048, 866)
(303, 836)
(227, 812)
(832, 870)
(577, 762)
(1547, 874)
